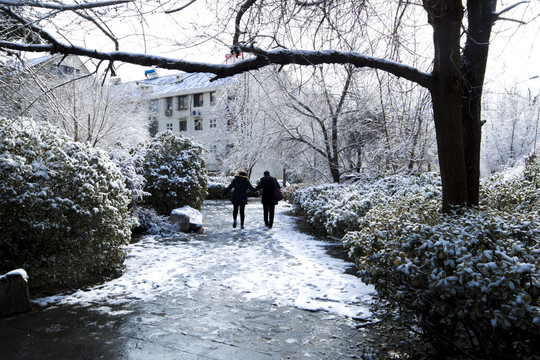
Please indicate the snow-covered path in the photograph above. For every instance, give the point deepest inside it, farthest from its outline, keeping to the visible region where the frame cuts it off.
(225, 294)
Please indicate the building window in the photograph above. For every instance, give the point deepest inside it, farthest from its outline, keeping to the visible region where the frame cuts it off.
(182, 102)
(213, 98)
(198, 124)
(213, 123)
(168, 103)
(154, 105)
(183, 125)
(154, 127)
(63, 70)
(198, 100)
(169, 126)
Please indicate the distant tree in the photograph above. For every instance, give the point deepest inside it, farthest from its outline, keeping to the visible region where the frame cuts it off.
(85, 108)
(511, 133)
(243, 114)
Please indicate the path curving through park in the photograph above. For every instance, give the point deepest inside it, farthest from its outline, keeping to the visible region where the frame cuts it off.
(225, 294)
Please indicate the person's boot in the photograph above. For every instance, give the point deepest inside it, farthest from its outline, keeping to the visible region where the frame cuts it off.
(234, 224)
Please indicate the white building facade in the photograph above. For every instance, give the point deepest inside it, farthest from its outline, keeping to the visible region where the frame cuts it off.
(196, 107)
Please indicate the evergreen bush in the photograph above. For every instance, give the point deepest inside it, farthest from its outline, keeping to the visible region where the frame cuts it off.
(130, 163)
(470, 281)
(175, 173)
(216, 186)
(63, 208)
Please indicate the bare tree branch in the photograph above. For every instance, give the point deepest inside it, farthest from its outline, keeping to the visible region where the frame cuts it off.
(262, 59)
(497, 15)
(310, 3)
(180, 8)
(243, 8)
(63, 7)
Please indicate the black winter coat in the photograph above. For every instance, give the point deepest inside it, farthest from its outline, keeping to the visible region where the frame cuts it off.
(241, 185)
(268, 184)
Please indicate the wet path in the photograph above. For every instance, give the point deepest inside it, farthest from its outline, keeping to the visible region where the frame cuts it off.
(224, 294)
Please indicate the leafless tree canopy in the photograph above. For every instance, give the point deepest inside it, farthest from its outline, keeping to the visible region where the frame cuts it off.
(387, 36)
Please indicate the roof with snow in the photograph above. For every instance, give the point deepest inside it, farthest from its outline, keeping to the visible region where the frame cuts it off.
(183, 83)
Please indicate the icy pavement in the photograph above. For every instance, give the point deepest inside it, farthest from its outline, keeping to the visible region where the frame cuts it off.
(225, 294)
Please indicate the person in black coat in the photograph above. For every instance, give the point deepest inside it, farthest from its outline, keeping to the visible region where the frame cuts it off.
(240, 184)
(268, 184)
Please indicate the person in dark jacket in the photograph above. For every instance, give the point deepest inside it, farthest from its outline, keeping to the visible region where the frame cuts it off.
(268, 184)
(240, 184)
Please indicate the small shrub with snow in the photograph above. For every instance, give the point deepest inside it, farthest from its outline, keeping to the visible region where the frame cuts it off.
(130, 162)
(63, 207)
(151, 223)
(216, 186)
(513, 191)
(339, 208)
(175, 173)
(471, 279)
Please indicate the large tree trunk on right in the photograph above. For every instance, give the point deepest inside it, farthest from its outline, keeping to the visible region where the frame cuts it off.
(474, 60)
(446, 92)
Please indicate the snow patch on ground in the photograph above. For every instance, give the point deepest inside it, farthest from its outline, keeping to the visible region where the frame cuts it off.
(281, 265)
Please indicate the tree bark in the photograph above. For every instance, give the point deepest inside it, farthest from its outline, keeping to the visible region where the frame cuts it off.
(445, 16)
(473, 65)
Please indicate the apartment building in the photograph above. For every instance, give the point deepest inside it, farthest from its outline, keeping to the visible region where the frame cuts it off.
(182, 103)
(198, 108)
(23, 84)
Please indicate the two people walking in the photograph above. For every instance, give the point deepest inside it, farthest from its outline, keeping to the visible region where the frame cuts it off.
(241, 184)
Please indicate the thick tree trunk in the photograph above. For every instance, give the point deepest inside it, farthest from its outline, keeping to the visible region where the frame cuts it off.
(473, 63)
(446, 91)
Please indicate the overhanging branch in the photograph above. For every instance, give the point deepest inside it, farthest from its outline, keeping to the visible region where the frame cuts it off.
(260, 60)
(59, 6)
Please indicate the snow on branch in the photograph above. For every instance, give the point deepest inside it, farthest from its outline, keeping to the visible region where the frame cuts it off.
(497, 16)
(260, 60)
(60, 6)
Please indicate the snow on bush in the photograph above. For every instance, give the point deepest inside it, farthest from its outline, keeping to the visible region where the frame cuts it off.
(513, 191)
(216, 186)
(63, 207)
(175, 173)
(130, 162)
(151, 223)
(470, 279)
(338, 208)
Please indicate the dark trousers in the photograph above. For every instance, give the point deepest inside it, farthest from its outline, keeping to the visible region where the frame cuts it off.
(240, 207)
(269, 214)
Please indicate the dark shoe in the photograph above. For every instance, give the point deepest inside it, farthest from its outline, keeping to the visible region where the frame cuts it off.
(234, 224)
(242, 227)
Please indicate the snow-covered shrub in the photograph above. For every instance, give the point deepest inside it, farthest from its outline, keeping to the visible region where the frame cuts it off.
(150, 223)
(338, 208)
(288, 192)
(516, 190)
(63, 207)
(216, 186)
(175, 173)
(130, 162)
(471, 280)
